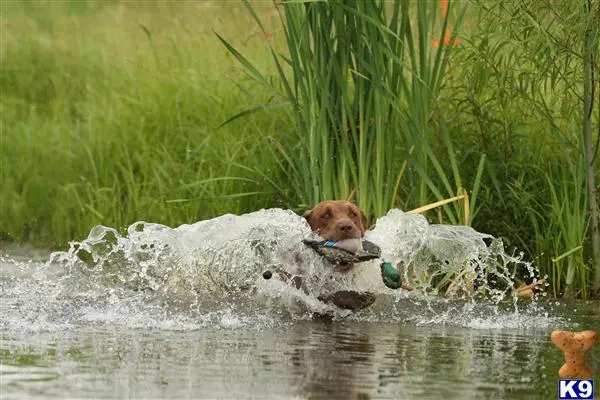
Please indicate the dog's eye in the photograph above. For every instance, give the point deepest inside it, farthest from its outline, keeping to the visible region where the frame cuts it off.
(352, 214)
(327, 215)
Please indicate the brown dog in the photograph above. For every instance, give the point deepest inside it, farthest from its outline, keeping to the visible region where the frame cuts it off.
(337, 220)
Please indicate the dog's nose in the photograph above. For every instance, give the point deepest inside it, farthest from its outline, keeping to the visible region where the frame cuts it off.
(345, 227)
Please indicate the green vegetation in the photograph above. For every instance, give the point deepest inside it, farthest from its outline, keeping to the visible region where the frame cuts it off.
(125, 111)
(111, 116)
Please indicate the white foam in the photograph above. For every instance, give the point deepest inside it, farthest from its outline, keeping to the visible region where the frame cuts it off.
(211, 273)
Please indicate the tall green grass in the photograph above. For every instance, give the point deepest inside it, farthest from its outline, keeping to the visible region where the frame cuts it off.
(559, 216)
(114, 112)
(361, 81)
(523, 100)
(112, 116)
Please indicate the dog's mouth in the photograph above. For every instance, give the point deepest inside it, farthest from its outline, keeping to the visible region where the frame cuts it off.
(337, 236)
(354, 235)
(344, 236)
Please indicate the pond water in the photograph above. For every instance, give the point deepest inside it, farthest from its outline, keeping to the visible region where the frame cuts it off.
(186, 313)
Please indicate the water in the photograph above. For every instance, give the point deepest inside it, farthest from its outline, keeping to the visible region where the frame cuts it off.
(186, 313)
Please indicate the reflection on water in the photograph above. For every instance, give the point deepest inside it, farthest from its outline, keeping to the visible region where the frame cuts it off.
(304, 360)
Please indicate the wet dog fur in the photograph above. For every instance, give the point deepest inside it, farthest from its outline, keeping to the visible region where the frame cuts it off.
(338, 220)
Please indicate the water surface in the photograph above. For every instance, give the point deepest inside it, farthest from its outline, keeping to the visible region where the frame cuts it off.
(302, 360)
(185, 313)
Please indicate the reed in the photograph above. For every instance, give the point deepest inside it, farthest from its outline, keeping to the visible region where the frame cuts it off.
(522, 97)
(360, 80)
(569, 214)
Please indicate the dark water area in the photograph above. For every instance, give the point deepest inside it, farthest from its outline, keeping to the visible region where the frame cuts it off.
(299, 360)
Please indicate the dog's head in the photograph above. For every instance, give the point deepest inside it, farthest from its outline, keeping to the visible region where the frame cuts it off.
(337, 220)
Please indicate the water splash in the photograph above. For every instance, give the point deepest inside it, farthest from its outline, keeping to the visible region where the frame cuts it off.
(453, 261)
(211, 273)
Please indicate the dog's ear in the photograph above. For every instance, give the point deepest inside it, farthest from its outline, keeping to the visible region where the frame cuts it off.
(307, 214)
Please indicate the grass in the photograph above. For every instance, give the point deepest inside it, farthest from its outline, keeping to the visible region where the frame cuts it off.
(114, 112)
(112, 116)
(360, 110)
(524, 102)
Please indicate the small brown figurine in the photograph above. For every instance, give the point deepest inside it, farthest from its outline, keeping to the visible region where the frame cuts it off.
(574, 345)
